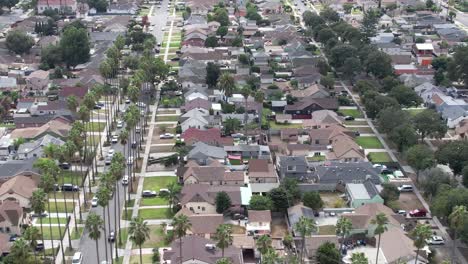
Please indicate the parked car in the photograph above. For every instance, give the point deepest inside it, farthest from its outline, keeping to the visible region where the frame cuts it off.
(435, 240)
(94, 202)
(39, 246)
(130, 160)
(137, 129)
(65, 166)
(68, 187)
(418, 213)
(134, 144)
(148, 193)
(127, 101)
(164, 190)
(111, 237)
(108, 160)
(405, 188)
(77, 258)
(238, 217)
(125, 180)
(401, 212)
(119, 124)
(348, 118)
(166, 136)
(110, 153)
(115, 139)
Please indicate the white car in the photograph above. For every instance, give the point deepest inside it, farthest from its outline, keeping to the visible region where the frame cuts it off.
(94, 201)
(435, 240)
(130, 160)
(125, 180)
(166, 136)
(119, 124)
(111, 153)
(77, 258)
(115, 139)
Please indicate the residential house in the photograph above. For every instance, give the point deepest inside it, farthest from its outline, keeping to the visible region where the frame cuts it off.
(11, 217)
(12, 168)
(78, 91)
(5, 244)
(312, 244)
(452, 110)
(213, 174)
(295, 213)
(259, 222)
(200, 198)
(19, 189)
(37, 82)
(289, 134)
(360, 194)
(323, 119)
(34, 149)
(8, 83)
(203, 225)
(260, 58)
(199, 122)
(249, 151)
(197, 103)
(210, 136)
(203, 153)
(313, 91)
(59, 108)
(62, 6)
(423, 52)
(262, 176)
(198, 250)
(295, 167)
(395, 245)
(305, 107)
(58, 128)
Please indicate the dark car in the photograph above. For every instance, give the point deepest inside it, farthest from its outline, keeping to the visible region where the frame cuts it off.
(39, 246)
(111, 237)
(175, 59)
(65, 166)
(147, 193)
(68, 187)
(418, 213)
(134, 144)
(348, 118)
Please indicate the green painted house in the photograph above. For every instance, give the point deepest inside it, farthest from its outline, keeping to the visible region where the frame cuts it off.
(360, 194)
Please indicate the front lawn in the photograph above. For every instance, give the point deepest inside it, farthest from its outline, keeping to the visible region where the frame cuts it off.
(127, 216)
(326, 230)
(159, 213)
(369, 142)
(135, 259)
(167, 118)
(274, 125)
(55, 232)
(95, 126)
(51, 220)
(153, 201)
(77, 235)
(157, 183)
(124, 234)
(69, 177)
(379, 157)
(351, 112)
(61, 206)
(157, 238)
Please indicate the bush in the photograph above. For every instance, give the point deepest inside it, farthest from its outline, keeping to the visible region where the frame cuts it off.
(156, 255)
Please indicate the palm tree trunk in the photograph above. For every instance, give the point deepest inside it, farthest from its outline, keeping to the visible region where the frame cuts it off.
(74, 204)
(109, 225)
(42, 235)
(59, 226)
(141, 255)
(302, 249)
(50, 230)
(105, 233)
(378, 249)
(67, 226)
(180, 249)
(97, 251)
(117, 219)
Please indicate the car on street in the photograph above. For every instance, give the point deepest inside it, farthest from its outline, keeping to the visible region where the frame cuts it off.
(142, 113)
(137, 129)
(65, 166)
(148, 193)
(77, 258)
(68, 187)
(119, 124)
(94, 202)
(130, 160)
(405, 188)
(115, 139)
(134, 144)
(127, 101)
(166, 136)
(435, 240)
(418, 213)
(111, 237)
(108, 160)
(280, 80)
(125, 180)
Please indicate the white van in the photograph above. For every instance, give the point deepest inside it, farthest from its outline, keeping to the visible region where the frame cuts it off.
(406, 188)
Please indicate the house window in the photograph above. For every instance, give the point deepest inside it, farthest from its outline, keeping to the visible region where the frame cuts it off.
(291, 168)
(317, 142)
(198, 207)
(191, 209)
(7, 229)
(203, 209)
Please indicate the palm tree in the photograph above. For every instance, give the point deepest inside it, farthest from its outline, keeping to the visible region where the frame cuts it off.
(94, 224)
(20, 251)
(172, 196)
(420, 234)
(72, 103)
(381, 222)
(47, 184)
(305, 227)
(68, 151)
(457, 220)
(246, 92)
(181, 225)
(103, 195)
(223, 237)
(138, 233)
(359, 258)
(51, 151)
(116, 168)
(343, 227)
(227, 84)
(263, 244)
(38, 201)
(271, 257)
(32, 234)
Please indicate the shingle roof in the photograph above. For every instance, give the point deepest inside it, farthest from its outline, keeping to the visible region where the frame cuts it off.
(325, 103)
(20, 185)
(11, 212)
(335, 172)
(207, 193)
(259, 216)
(207, 150)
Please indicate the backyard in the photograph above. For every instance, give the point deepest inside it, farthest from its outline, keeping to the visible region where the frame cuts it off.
(157, 183)
(369, 142)
(351, 112)
(275, 125)
(167, 118)
(157, 238)
(331, 199)
(379, 157)
(153, 201)
(158, 213)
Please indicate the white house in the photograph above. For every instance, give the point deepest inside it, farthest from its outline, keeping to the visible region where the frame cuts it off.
(63, 6)
(259, 222)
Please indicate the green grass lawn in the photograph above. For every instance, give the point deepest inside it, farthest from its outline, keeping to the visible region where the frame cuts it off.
(90, 139)
(327, 230)
(61, 206)
(153, 201)
(172, 63)
(156, 183)
(128, 216)
(356, 123)
(166, 118)
(52, 220)
(77, 235)
(55, 232)
(379, 157)
(160, 213)
(156, 239)
(317, 158)
(351, 112)
(124, 234)
(275, 125)
(69, 177)
(96, 126)
(414, 111)
(147, 259)
(369, 142)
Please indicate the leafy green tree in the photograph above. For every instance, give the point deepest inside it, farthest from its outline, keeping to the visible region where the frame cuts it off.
(138, 233)
(221, 15)
(359, 258)
(389, 193)
(405, 96)
(271, 257)
(388, 83)
(244, 59)
(404, 136)
(340, 53)
(381, 222)
(18, 42)
(325, 34)
(343, 229)
(263, 244)
(211, 42)
(227, 84)
(329, 15)
(223, 202)
(279, 197)
(433, 179)
(379, 64)
(323, 66)
(389, 118)
(304, 227)
(328, 81)
(348, 7)
(231, 125)
(258, 202)
(454, 154)
(222, 31)
(351, 67)
(223, 237)
(223, 261)
(32, 235)
(458, 220)
(458, 66)
(429, 123)
(375, 104)
(327, 253)
(212, 74)
(420, 234)
(420, 157)
(20, 252)
(292, 188)
(75, 47)
(99, 5)
(369, 22)
(312, 19)
(465, 176)
(312, 200)
(172, 196)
